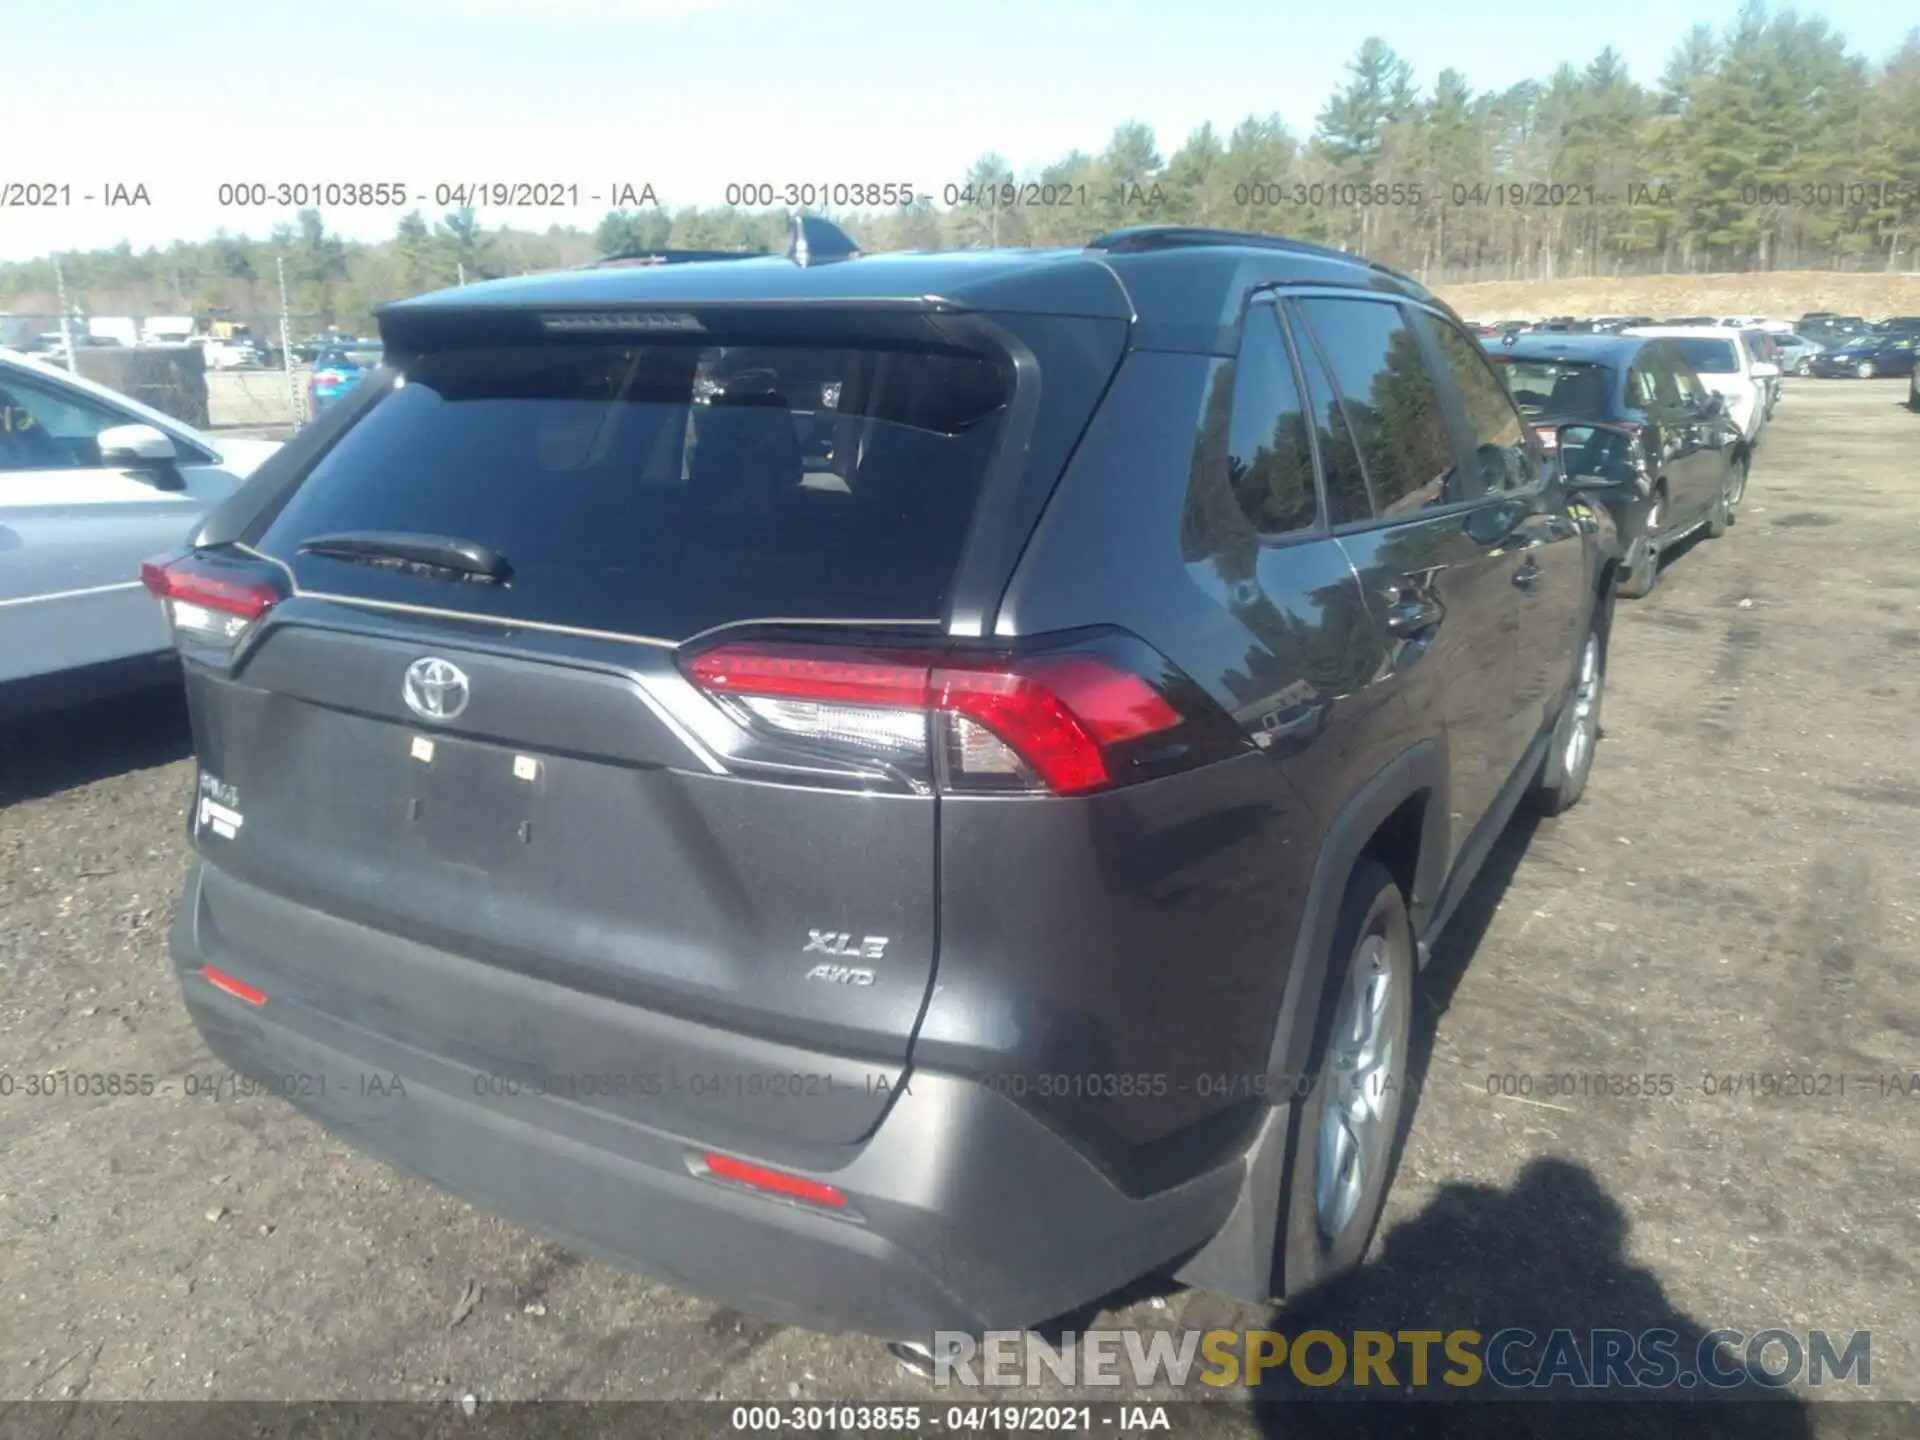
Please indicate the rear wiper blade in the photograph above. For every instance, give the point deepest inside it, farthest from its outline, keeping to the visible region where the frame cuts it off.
(439, 555)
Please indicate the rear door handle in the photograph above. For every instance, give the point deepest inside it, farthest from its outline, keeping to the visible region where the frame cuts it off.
(1411, 613)
(1527, 576)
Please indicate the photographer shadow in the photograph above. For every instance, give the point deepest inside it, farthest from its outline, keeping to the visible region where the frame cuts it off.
(1547, 1254)
(45, 754)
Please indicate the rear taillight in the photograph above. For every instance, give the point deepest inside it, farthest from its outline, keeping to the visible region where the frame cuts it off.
(1549, 435)
(1064, 721)
(327, 377)
(209, 603)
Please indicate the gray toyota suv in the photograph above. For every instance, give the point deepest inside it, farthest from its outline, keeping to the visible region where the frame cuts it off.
(895, 792)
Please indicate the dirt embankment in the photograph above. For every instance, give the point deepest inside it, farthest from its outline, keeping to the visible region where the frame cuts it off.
(1783, 294)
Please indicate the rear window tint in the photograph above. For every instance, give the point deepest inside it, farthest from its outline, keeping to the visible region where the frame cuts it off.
(661, 490)
(1708, 357)
(1389, 399)
(1558, 387)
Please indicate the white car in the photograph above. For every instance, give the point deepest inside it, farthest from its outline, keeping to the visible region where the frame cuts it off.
(232, 354)
(1720, 358)
(91, 484)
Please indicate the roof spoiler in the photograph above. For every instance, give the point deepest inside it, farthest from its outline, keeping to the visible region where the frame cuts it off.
(810, 241)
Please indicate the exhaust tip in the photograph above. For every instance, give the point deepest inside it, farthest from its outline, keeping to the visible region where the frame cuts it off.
(912, 1356)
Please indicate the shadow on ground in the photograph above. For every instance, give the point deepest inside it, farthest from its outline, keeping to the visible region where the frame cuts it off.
(1548, 1255)
(59, 751)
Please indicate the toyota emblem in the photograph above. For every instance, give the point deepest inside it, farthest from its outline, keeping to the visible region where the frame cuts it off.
(435, 689)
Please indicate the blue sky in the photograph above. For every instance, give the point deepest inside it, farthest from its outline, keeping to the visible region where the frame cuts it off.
(690, 94)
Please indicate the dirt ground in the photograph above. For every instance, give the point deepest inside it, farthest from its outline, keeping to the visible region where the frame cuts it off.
(1778, 294)
(1734, 897)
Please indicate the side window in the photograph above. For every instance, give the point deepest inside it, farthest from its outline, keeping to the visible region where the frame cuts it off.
(1659, 361)
(1499, 438)
(1269, 459)
(1347, 496)
(1390, 401)
(44, 427)
(1643, 387)
(1686, 384)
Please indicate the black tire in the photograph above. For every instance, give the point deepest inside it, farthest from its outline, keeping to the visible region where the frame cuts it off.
(1308, 1259)
(1641, 581)
(1913, 389)
(1563, 773)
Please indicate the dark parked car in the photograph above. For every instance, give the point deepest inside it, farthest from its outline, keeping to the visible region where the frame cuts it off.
(1867, 357)
(894, 884)
(1691, 469)
(1833, 330)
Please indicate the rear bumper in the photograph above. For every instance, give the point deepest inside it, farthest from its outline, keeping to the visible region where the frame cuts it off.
(967, 1213)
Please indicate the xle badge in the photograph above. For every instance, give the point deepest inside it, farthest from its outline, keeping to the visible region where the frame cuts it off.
(841, 943)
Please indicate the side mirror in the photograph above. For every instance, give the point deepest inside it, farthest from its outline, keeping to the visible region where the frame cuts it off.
(1765, 371)
(135, 445)
(1607, 459)
(144, 448)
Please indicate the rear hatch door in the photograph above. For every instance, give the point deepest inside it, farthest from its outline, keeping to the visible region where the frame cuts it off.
(510, 779)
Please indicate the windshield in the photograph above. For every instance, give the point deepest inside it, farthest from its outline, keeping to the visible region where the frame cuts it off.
(1559, 387)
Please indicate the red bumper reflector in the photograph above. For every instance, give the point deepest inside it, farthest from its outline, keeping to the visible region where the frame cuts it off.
(773, 1181)
(237, 988)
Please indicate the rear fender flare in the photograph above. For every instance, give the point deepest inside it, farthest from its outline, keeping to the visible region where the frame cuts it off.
(1422, 766)
(1239, 1260)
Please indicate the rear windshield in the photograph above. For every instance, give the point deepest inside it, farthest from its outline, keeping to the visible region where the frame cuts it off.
(1557, 387)
(360, 359)
(1709, 357)
(661, 490)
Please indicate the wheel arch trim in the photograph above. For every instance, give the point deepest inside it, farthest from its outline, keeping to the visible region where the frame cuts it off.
(1239, 1261)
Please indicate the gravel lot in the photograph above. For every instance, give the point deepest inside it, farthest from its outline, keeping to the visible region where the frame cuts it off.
(1735, 896)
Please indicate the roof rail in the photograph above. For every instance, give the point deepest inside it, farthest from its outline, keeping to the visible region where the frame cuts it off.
(1138, 238)
(810, 241)
(669, 257)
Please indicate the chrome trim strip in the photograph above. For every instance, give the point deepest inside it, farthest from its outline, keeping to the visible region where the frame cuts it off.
(803, 620)
(71, 594)
(476, 618)
(651, 701)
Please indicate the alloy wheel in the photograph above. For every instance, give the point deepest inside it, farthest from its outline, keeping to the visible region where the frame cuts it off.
(1363, 1076)
(1585, 700)
(1864, 369)
(1650, 550)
